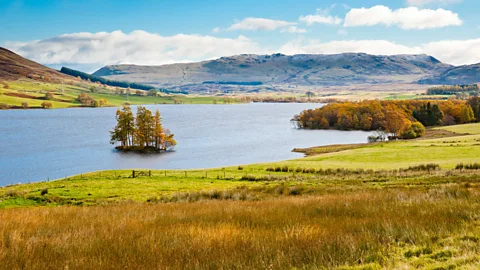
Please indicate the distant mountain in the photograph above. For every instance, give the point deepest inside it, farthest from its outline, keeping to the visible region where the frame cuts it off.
(279, 69)
(13, 67)
(467, 74)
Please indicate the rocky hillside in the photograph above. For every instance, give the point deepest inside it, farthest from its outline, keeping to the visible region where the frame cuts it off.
(13, 67)
(279, 69)
(468, 74)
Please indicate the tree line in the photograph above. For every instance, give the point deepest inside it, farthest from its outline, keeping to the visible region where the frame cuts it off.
(454, 89)
(141, 132)
(404, 119)
(86, 76)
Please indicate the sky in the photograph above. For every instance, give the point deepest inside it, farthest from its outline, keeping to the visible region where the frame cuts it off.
(90, 34)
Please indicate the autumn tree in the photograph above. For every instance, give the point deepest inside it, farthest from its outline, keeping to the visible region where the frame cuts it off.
(144, 127)
(474, 103)
(396, 122)
(124, 130)
(158, 132)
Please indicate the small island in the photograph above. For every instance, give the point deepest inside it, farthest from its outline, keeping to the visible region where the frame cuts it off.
(142, 133)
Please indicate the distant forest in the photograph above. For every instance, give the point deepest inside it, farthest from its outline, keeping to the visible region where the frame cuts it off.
(86, 76)
(472, 89)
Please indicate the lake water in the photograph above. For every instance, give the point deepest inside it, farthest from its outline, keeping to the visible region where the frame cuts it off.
(41, 144)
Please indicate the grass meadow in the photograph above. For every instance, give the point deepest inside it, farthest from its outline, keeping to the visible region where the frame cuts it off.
(368, 229)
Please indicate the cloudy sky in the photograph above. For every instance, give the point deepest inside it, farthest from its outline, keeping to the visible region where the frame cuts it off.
(89, 34)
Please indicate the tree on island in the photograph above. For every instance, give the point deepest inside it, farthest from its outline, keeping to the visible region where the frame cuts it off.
(141, 133)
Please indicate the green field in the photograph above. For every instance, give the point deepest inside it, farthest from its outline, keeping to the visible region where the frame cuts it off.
(33, 92)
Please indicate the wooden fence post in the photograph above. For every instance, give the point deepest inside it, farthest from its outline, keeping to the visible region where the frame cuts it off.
(133, 174)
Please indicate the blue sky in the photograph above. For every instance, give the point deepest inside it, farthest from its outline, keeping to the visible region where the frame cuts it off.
(162, 32)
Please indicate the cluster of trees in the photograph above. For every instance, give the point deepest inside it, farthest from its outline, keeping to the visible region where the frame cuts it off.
(144, 131)
(402, 119)
(472, 89)
(101, 80)
(89, 101)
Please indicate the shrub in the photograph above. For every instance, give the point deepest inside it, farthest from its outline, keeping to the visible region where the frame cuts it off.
(49, 96)
(424, 167)
(85, 99)
(299, 170)
(240, 168)
(249, 178)
(285, 169)
(293, 191)
(12, 193)
(44, 192)
(25, 105)
(473, 166)
(4, 106)
(46, 105)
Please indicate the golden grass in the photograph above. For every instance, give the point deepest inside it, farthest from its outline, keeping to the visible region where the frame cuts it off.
(328, 231)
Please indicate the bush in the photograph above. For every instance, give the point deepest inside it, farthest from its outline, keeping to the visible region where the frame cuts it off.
(46, 105)
(85, 99)
(44, 192)
(424, 167)
(240, 168)
(25, 105)
(473, 166)
(49, 96)
(4, 106)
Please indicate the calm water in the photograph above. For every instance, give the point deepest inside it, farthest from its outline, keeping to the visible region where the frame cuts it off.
(41, 144)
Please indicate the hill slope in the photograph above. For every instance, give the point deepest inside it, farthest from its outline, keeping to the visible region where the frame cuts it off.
(467, 74)
(279, 69)
(13, 67)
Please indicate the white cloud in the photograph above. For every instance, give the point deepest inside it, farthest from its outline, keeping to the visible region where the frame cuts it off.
(420, 3)
(94, 50)
(405, 18)
(311, 19)
(381, 47)
(217, 30)
(294, 29)
(253, 24)
(455, 52)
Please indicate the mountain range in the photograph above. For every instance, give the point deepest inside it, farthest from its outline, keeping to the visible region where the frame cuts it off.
(297, 70)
